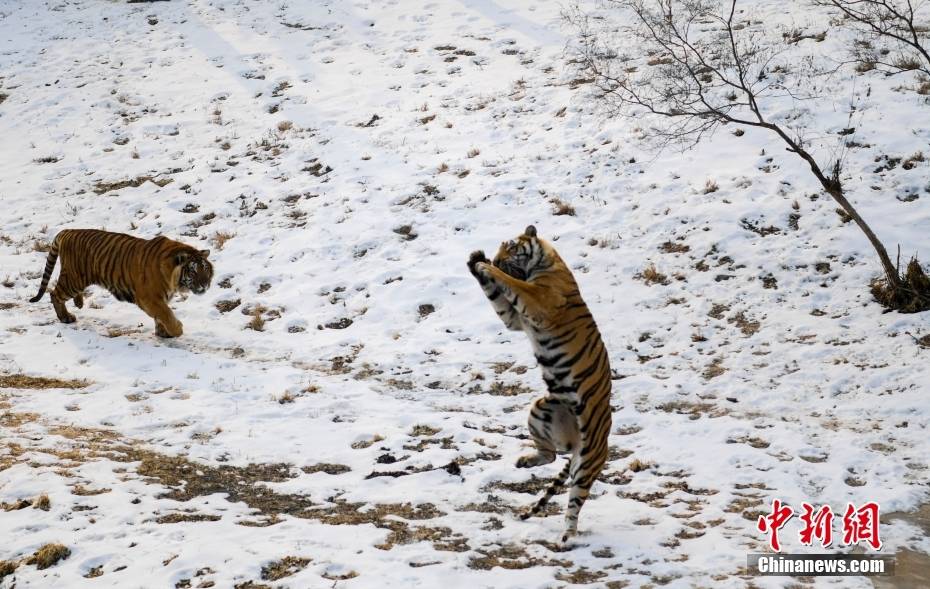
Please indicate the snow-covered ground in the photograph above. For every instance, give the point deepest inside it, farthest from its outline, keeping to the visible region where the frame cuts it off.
(342, 159)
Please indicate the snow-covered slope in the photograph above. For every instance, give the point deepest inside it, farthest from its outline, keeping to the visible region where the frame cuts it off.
(342, 160)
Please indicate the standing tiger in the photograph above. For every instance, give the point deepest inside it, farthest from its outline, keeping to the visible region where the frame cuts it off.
(533, 291)
(147, 272)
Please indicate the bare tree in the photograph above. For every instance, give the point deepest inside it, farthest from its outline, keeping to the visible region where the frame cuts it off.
(704, 68)
(900, 27)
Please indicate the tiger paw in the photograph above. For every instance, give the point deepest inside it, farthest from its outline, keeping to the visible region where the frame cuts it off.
(67, 318)
(535, 459)
(568, 535)
(160, 331)
(527, 461)
(474, 259)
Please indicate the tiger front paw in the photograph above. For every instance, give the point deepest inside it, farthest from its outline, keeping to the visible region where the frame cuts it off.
(166, 332)
(527, 461)
(474, 259)
(474, 263)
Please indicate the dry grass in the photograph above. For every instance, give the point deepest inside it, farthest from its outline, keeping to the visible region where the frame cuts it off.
(185, 480)
(7, 567)
(562, 208)
(714, 369)
(227, 305)
(924, 88)
(746, 325)
(361, 444)
(178, 518)
(327, 467)
(257, 323)
(637, 465)
(474, 152)
(913, 295)
(287, 566)
(49, 555)
(580, 576)
(650, 275)
(710, 186)
(121, 331)
(24, 381)
(912, 161)
(672, 247)
(42, 502)
(285, 126)
(424, 430)
(443, 167)
(510, 556)
(285, 397)
(16, 505)
(340, 577)
(104, 187)
(220, 239)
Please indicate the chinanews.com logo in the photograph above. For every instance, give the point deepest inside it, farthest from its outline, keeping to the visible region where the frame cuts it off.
(860, 528)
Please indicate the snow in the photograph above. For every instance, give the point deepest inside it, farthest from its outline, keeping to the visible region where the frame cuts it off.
(344, 216)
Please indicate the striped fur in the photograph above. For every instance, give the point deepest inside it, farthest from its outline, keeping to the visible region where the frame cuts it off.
(145, 272)
(532, 290)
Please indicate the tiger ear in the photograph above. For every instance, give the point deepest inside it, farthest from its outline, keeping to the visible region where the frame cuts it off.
(205, 253)
(181, 258)
(530, 231)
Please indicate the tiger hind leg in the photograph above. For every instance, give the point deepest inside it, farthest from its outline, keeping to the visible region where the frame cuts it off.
(79, 300)
(577, 495)
(555, 487)
(65, 290)
(553, 426)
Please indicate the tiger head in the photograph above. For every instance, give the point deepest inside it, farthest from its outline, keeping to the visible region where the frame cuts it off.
(195, 271)
(523, 256)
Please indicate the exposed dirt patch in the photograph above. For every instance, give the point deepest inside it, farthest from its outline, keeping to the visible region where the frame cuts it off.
(746, 325)
(24, 381)
(177, 518)
(533, 486)
(104, 187)
(326, 467)
(424, 430)
(227, 305)
(694, 410)
(671, 247)
(287, 566)
(581, 576)
(500, 389)
(511, 556)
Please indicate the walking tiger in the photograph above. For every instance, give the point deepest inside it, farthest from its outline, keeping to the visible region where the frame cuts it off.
(147, 272)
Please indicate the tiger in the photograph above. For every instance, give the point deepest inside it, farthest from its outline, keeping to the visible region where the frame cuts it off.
(147, 272)
(533, 291)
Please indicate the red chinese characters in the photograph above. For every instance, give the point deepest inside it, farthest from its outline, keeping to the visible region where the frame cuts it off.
(817, 525)
(774, 521)
(861, 524)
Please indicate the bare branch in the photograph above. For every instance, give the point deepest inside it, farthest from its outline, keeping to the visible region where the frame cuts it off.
(697, 66)
(904, 26)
